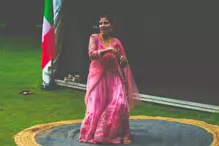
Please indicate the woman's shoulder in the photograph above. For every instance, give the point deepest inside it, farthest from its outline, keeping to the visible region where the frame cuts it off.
(116, 40)
(94, 35)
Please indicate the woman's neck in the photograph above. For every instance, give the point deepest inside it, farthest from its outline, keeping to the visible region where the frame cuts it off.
(106, 36)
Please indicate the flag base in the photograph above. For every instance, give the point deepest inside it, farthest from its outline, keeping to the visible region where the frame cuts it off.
(48, 87)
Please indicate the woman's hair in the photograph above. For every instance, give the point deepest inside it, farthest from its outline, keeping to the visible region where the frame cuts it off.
(111, 20)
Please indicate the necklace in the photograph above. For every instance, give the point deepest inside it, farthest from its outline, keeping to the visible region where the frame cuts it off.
(102, 39)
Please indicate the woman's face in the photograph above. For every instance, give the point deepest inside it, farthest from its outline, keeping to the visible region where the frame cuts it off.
(105, 26)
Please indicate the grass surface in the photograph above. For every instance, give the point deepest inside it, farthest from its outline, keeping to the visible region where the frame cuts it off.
(20, 69)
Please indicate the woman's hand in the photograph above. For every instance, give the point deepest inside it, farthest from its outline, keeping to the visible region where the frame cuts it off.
(109, 50)
(123, 61)
(114, 51)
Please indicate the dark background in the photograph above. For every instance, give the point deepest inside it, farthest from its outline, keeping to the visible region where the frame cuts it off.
(172, 47)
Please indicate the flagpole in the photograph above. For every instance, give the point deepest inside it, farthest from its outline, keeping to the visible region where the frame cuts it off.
(52, 76)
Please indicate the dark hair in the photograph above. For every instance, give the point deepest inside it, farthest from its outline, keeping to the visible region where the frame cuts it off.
(111, 20)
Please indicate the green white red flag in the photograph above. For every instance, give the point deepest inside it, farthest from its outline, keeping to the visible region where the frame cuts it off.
(48, 42)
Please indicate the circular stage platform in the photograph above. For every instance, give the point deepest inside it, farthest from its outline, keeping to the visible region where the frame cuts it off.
(148, 131)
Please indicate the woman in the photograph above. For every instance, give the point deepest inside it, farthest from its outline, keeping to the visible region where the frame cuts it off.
(111, 90)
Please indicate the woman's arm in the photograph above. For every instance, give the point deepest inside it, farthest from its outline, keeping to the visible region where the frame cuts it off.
(123, 61)
(105, 51)
(94, 53)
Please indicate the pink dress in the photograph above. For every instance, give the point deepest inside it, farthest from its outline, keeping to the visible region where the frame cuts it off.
(107, 114)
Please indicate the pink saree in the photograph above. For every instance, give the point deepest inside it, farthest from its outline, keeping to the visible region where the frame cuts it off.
(111, 93)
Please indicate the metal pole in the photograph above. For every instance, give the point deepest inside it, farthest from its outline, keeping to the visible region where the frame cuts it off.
(52, 76)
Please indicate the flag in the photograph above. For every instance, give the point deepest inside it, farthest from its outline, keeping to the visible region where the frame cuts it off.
(48, 42)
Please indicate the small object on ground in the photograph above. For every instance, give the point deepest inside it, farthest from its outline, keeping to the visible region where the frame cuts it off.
(26, 92)
(71, 78)
(126, 141)
(77, 78)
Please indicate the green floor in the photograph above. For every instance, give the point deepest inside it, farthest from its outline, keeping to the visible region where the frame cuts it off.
(20, 69)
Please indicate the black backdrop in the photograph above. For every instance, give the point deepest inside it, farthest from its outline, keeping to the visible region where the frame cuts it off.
(167, 45)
